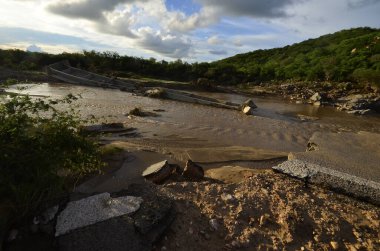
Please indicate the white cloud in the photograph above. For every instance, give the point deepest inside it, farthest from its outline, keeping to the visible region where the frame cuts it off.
(214, 40)
(166, 44)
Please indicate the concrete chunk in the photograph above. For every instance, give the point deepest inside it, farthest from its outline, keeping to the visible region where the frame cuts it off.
(94, 209)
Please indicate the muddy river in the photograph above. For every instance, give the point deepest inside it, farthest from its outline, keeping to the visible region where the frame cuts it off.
(276, 124)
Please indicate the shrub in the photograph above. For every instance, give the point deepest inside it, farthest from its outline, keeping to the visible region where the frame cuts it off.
(37, 143)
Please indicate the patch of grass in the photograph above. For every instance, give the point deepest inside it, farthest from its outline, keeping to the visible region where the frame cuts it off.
(110, 150)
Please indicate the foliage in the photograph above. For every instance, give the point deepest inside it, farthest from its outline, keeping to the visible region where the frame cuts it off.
(38, 142)
(334, 57)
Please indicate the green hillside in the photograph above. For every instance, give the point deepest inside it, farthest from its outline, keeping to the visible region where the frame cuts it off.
(343, 56)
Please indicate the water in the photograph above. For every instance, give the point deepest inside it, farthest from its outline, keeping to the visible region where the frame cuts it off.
(275, 125)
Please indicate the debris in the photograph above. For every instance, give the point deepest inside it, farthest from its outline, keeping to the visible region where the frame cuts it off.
(248, 106)
(193, 170)
(94, 209)
(159, 172)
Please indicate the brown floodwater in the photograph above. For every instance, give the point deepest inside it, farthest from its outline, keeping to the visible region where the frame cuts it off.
(275, 124)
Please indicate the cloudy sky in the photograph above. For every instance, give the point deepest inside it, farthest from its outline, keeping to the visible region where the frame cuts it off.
(191, 30)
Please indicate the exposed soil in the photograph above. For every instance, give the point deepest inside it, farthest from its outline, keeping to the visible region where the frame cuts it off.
(268, 211)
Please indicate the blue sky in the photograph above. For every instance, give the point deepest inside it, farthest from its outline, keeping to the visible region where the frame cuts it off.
(191, 30)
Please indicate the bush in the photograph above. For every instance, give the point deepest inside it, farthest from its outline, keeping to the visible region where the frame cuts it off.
(37, 143)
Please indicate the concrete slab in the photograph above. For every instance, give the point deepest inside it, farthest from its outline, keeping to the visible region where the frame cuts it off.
(348, 162)
(336, 180)
(94, 209)
(357, 154)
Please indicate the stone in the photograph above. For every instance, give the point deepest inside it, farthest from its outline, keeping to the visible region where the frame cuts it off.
(248, 110)
(248, 106)
(226, 197)
(193, 170)
(316, 97)
(159, 172)
(214, 224)
(334, 245)
(156, 93)
(94, 209)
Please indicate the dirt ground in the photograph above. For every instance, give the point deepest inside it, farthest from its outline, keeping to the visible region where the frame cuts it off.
(268, 211)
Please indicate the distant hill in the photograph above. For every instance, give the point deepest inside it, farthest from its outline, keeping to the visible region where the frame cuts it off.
(345, 55)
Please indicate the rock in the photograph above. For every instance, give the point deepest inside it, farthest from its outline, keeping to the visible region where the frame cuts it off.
(214, 224)
(316, 97)
(91, 210)
(159, 172)
(156, 93)
(334, 245)
(248, 110)
(226, 197)
(250, 103)
(248, 106)
(193, 170)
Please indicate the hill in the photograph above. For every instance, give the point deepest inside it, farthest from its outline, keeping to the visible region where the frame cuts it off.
(343, 56)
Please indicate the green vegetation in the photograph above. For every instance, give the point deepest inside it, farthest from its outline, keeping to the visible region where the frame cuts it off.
(348, 55)
(42, 151)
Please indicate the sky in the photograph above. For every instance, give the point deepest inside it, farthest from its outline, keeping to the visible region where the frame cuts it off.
(190, 30)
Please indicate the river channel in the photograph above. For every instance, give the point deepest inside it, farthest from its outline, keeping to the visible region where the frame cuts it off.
(275, 125)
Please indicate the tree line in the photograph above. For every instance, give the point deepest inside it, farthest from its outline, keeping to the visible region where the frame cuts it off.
(348, 55)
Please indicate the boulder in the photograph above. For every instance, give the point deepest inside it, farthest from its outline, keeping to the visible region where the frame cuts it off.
(250, 103)
(193, 170)
(248, 106)
(159, 172)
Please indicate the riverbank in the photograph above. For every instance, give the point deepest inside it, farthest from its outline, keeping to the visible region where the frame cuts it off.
(353, 98)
